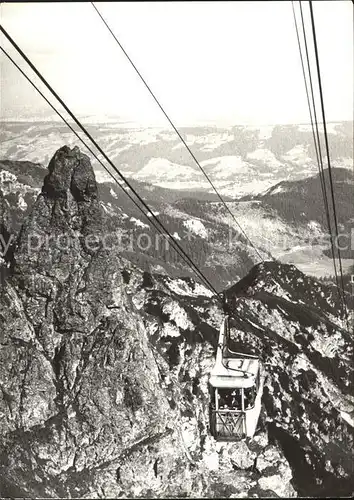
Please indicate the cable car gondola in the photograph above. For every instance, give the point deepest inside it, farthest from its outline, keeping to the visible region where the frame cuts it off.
(236, 386)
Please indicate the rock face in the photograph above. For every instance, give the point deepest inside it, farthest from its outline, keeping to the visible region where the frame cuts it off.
(62, 343)
(104, 370)
(5, 232)
(294, 322)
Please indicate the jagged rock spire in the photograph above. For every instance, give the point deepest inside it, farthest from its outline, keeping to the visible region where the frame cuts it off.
(70, 171)
(66, 218)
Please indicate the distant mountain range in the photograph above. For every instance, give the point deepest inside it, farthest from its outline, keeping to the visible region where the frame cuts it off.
(239, 160)
(302, 201)
(104, 366)
(281, 209)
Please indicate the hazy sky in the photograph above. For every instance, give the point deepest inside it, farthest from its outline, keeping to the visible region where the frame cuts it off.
(231, 62)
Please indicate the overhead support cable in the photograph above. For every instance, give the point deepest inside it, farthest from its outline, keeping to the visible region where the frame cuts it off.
(318, 154)
(66, 122)
(316, 137)
(176, 130)
(162, 228)
(327, 145)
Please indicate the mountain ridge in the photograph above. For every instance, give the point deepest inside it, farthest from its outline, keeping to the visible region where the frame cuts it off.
(132, 149)
(105, 366)
(281, 224)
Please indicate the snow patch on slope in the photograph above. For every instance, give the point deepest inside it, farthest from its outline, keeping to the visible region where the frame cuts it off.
(138, 222)
(265, 156)
(9, 184)
(225, 166)
(208, 142)
(102, 176)
(278, 189)
(180, 287)
(161, 170)
(197, 227)
(298, 155)
(178, 315)
(326, 345)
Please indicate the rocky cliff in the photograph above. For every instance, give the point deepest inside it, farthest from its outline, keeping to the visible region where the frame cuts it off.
(104, 368)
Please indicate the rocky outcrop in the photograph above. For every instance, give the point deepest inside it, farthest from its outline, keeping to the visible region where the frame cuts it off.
(75, 396)
(295, 323)
(5, 230)
(104, 370)
(21, 181)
